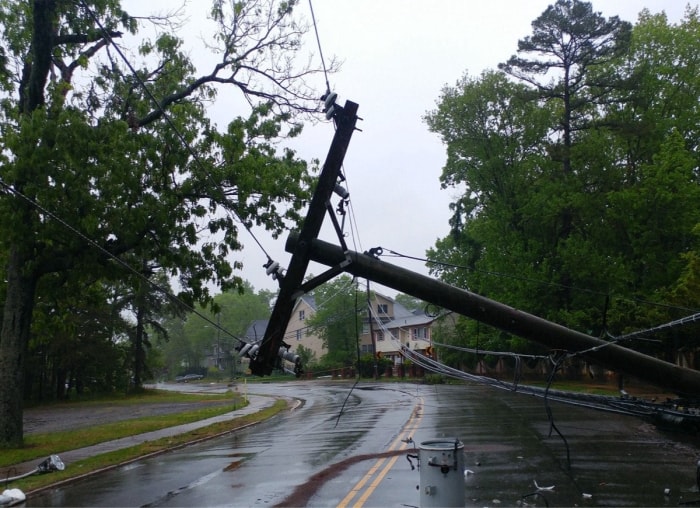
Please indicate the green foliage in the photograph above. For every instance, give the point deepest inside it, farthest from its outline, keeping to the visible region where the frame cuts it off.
(308, 357)
(589, 228)
(409, 302)
(434, 379)
(123, 200)
(224, 323)
(337, 320)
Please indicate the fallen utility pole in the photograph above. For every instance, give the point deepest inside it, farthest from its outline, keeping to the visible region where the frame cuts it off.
(685, 382)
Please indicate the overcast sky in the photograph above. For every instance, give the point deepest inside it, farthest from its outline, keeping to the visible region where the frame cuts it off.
(397, 56)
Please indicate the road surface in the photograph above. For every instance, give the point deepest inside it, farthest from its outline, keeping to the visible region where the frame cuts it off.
(343, 448)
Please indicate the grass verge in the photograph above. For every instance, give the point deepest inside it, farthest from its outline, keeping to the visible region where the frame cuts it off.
(108, 460)
(39, 446)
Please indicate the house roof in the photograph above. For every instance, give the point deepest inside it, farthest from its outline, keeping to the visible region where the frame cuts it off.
(256, 330)
(410, 320)
(308, 299)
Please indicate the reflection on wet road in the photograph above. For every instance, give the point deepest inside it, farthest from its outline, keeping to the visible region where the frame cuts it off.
(335, 458)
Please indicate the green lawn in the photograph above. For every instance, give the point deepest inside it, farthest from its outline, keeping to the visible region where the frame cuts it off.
(40, 446)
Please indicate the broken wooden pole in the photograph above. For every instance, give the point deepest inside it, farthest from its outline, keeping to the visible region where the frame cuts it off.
(613, 356)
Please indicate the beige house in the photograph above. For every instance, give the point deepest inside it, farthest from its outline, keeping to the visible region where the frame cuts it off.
(298, 333)
(391, 326)
(384, 310)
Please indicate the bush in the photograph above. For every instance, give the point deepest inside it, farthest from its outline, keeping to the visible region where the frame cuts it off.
(434, 379)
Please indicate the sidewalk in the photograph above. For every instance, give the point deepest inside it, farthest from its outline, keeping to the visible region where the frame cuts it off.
(256, 403)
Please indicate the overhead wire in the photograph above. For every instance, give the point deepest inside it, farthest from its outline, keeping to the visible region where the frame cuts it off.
(320, 50)
(618, 405)
(111, 256)
(231, 209)
(529, 279)
(694, 318)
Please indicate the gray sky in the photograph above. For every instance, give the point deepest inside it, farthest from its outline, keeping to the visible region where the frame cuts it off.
(397, 56)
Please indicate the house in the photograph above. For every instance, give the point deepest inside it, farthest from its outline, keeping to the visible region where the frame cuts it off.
(376, 333)
(391, 327)
(298, 332)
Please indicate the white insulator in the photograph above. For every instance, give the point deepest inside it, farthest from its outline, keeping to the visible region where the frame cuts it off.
(253, 351)
(329, 102)
(245, 349)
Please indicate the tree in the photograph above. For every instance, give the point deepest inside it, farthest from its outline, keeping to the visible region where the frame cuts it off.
(337, 321)
(496, 143)
(78, 340)
(229, 316)
(83, 140)
(578, 229)
(570, 38)
(218, 327)
(409, 302)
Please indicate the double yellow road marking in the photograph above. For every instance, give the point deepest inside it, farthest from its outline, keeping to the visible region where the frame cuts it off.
(398, 444)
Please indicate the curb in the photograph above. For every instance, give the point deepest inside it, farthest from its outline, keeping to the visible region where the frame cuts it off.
(203, 423)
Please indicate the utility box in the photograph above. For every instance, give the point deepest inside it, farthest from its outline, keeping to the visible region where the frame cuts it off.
(441, 463)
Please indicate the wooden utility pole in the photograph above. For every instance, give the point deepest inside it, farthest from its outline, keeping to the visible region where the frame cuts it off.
(267, 356)
(613, 356)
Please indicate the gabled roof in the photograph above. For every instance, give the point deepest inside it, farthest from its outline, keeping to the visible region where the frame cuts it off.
(399, 310)
(410, 320)
(308, 299)
(256, 330)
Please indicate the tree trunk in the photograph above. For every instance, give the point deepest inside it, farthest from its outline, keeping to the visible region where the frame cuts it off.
(21, 278)
(14, 340)
(138, 356)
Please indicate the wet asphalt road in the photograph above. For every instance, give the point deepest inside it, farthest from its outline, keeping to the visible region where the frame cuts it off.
(612, 460)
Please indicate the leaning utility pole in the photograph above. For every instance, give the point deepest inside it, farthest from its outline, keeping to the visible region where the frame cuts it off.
(267, 355)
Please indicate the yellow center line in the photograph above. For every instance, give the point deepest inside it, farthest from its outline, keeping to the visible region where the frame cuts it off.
(410, 426)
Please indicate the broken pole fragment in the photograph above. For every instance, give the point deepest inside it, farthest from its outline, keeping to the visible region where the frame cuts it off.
(685, 382)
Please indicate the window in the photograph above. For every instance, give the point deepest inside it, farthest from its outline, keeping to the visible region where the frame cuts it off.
(382, 308)
(366, 348)
(298, 334)
(380, 336)
(302, 315)
(419, 333)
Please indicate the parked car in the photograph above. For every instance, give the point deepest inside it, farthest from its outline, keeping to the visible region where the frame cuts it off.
(189, 377)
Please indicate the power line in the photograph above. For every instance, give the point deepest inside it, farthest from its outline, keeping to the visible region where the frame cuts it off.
(109, 255)
(320, 51)
(230, 209)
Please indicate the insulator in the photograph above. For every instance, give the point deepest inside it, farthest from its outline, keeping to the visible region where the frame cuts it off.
(253, 351)
(245, 349)
(289, 356)
(329, 101)
(271, 268)
(341, 191)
